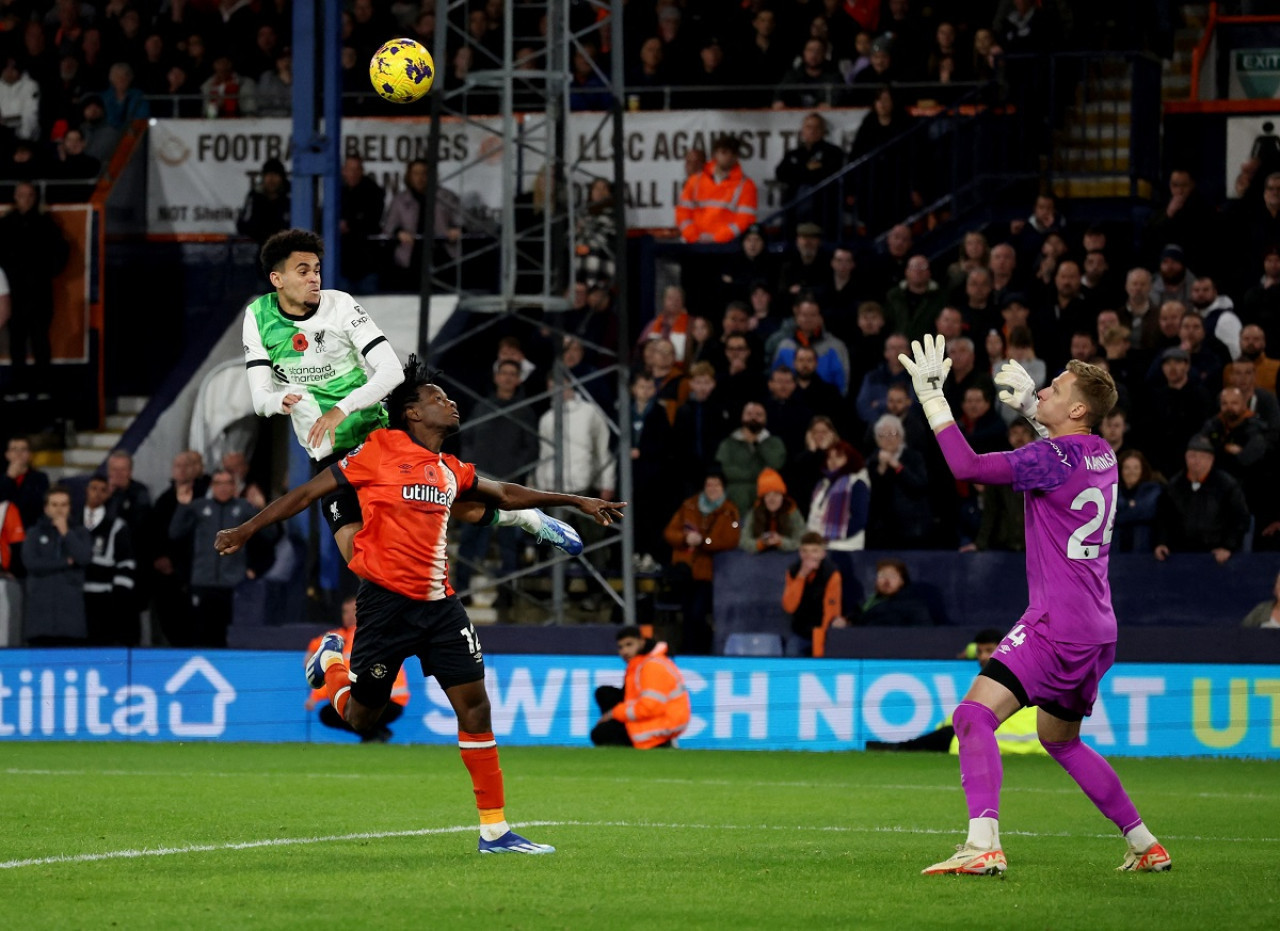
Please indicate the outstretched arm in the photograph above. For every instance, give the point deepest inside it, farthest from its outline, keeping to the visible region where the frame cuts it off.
(295, 502)
(507, 496)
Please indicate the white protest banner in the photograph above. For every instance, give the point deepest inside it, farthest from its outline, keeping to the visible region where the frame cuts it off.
(200, 171)
(656, 143)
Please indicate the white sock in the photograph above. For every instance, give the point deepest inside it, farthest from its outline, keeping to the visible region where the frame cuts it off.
(1140, 839)
(528, 520)
(984, 833)
(494, 831)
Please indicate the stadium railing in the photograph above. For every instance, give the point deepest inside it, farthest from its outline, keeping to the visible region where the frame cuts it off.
(976, 590)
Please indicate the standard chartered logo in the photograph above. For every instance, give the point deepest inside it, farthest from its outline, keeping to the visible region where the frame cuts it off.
(304, 374)
(71, 702)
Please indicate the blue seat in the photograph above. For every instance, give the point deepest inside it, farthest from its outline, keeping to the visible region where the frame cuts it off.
(753, 645)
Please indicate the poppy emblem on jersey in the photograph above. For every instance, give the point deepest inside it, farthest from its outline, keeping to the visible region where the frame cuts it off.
(300, 342)
(378, 671)
(432, 476)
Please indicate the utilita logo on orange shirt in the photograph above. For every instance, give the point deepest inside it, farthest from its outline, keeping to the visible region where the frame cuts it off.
(428, 493)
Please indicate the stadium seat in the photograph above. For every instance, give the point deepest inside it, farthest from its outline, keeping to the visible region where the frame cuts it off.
(753, 645)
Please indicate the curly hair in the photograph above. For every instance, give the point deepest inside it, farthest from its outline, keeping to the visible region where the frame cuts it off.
(277, 249)
(416, 375)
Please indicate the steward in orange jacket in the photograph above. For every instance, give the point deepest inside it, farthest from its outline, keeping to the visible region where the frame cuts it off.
(399, 689)
(653, 708)
(718, 203)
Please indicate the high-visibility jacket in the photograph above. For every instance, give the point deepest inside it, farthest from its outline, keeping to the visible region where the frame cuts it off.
(716, 211)
(656, 706)
(1017, 735)
(399, 688)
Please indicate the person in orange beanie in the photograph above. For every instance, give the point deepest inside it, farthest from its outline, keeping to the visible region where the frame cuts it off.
(775, 524)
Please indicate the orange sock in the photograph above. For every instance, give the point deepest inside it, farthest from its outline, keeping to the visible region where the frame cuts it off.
(480, 755)
(337, 683)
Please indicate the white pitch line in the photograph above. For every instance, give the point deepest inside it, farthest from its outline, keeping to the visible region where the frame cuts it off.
(646, 825)
(761, 784)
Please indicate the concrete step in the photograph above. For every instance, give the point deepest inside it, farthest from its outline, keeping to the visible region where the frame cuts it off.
(1108, 89)
(1085, 159)
(130, 404)
(1096, 186)
(84, 458)
(103, 439)
(1107, 70)
(120, 422)
(1098, 134)
(63, 473)
(1104, 111)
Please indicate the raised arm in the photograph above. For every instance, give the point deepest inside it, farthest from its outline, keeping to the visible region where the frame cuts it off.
(928, 367)
(295, 502)
(507, 496)
(968, 466)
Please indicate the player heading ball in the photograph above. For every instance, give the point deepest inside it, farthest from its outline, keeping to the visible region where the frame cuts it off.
(406, 606)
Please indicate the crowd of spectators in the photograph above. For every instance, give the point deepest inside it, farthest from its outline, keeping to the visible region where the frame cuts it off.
(768, 399)
(91, 556)
(810, 401)
(71, 64)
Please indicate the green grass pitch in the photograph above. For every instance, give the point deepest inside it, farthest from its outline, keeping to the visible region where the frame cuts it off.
(240, 836)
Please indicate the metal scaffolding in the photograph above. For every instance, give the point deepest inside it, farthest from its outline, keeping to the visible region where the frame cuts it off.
(513, 266)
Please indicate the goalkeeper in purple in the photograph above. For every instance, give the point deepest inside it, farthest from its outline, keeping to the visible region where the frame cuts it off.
(1064, 643)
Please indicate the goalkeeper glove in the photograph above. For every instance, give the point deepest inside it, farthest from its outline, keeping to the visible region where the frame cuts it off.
(928, 371)
(1018, 391)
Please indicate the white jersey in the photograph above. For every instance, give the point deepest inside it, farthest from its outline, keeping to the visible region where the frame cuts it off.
(323, 357)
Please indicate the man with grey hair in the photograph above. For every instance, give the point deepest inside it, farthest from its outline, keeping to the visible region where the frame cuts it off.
(899, 514)
(1138, 305)
(964, 373)
(123, 102)
(130, 501)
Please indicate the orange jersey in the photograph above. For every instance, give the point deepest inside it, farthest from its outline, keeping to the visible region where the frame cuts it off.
(399, 690)
(405, 493)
